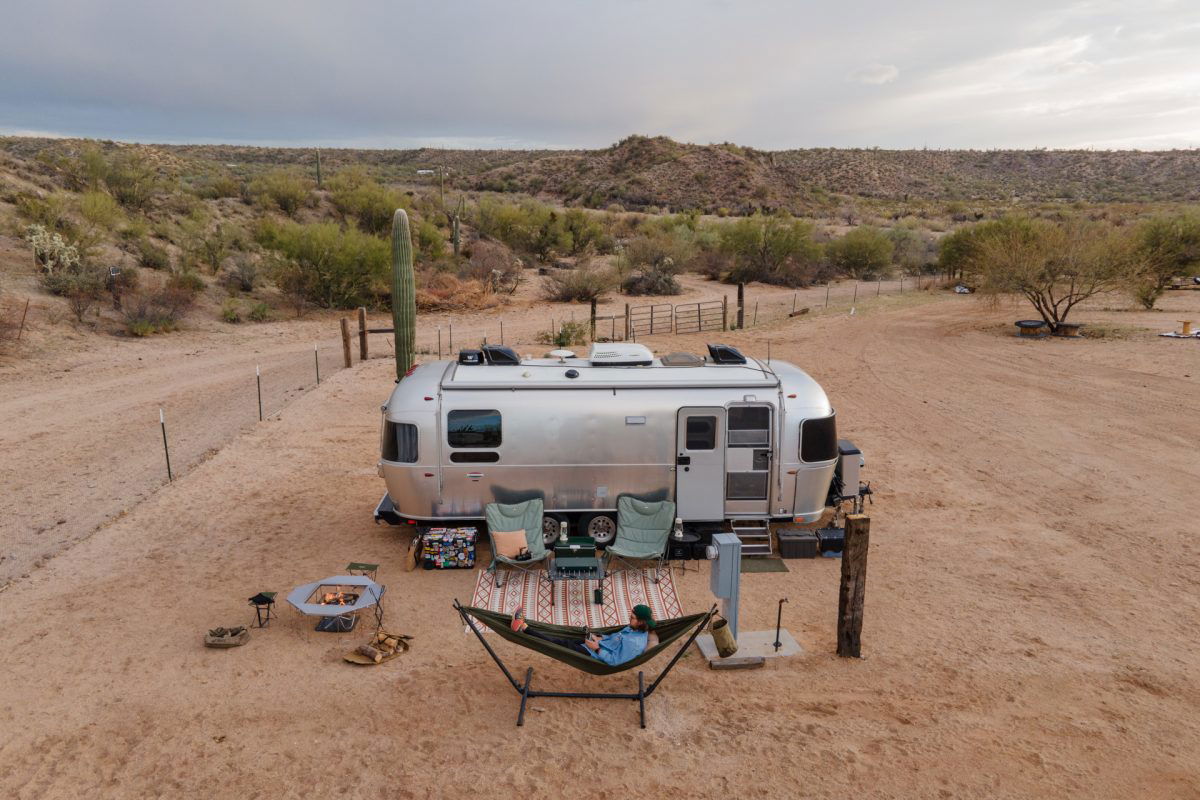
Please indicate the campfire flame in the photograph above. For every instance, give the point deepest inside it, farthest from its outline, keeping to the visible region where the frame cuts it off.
(337, 599)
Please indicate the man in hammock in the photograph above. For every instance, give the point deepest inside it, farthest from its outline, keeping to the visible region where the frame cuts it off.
(613, 649)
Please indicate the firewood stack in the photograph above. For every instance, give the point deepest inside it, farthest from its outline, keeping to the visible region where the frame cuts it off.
(382, 644)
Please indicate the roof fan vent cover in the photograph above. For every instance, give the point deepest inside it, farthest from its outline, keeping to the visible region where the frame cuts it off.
(682, 360)
(499, 355)
(725, 354)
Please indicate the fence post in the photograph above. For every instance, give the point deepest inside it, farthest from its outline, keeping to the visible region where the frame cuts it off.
(317, 365)
(827, 295)
(439, 342)
(362, 333)
(853, 588)
(346, 341)
(855, 300)
(741, 315)
(628, 322)
(879, 286)
(902, 283)
(23, 313)
(794, 296)
(593, 320)
(450, 346)
(755, 322)
(502, 329)
(258, 380)
(725, 312)
(162, 421)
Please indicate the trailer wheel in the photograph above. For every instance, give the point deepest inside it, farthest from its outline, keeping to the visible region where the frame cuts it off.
(550, 526)
(601, 527)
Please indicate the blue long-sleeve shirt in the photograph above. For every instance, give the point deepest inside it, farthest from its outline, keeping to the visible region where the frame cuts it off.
(617, 648)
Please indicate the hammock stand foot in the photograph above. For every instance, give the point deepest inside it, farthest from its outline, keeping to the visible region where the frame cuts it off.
(527, 692)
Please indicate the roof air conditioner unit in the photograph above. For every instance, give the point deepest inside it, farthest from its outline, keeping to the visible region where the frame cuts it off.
(621, 354)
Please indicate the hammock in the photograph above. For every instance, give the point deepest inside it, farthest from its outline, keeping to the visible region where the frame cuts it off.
(669, 631)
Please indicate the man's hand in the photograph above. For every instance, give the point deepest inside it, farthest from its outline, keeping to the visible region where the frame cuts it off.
(591, 644)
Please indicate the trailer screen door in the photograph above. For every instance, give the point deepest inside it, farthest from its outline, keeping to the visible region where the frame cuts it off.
(700, 464)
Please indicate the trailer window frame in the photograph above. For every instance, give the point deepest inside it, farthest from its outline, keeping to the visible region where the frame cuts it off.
(829, 438)
(491, 434)
(709, 435)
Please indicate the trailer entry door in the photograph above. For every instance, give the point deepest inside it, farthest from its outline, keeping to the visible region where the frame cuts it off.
(700, 464)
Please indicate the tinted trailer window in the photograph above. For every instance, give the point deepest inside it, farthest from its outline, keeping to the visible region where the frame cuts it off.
(473, 428)
(818, 439)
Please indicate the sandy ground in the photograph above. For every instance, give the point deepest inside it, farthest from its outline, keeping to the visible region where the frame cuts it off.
(1031, 630)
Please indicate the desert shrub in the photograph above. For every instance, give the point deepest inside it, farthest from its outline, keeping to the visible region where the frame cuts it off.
(431, 245)
(259, 312)
(132, 179)
(568, 333)
(51, 212)
(230, 312)
(909, 250)
(291, 280)
(773, 249)
(959, 252)
(186, 281)
(493, 265)
(153, 256)
(244, 274)
(285, 190)
(119, 283)
(863, 253)
(1166, 248)
(81, 283)
(158, 309)
(356, 195)
(659, 280)
(100, 210)
(214, 187)
(583, 284)
(340, 268)
(540, 230)
(440, 291)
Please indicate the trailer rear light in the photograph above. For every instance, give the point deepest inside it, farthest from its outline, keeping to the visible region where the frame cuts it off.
(428, 474)
(410, 521)
(792, 396)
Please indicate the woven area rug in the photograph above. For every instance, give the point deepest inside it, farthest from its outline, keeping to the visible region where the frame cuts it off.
(572, 604)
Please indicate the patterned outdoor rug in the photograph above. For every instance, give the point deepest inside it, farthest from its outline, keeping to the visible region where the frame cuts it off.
(573, 604)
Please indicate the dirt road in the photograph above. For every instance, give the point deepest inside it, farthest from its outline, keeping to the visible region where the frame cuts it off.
(1033, 607)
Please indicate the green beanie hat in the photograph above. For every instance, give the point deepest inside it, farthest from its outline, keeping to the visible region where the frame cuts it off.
(644, 614)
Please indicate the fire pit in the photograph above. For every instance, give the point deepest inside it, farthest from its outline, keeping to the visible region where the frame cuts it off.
(337, 600)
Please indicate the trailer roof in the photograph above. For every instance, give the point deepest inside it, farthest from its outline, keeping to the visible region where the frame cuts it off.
(581, 372)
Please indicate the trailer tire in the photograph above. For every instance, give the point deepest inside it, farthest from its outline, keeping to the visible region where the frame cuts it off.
(601, 527)
(550, 528)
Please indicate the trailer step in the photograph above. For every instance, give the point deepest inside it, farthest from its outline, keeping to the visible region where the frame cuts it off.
(755, 535)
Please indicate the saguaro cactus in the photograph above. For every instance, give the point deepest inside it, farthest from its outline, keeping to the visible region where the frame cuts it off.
(404, 293)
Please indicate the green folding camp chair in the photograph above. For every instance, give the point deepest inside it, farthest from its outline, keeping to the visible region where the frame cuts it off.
(642, 531)
(525, 516)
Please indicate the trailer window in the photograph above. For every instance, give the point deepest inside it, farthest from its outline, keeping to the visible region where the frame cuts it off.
(701, 433)
(473, 428)
(749, 426)
(818, 439)
(400, 442)
(746, 486)
(474, 457)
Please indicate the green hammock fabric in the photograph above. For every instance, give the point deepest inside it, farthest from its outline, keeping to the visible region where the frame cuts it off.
(668, 631)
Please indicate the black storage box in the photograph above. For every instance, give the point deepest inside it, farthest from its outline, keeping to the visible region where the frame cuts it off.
(679, 551)
(833, 540)
(798, 544)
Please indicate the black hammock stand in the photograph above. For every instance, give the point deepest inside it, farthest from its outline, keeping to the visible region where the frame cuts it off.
(669, 631)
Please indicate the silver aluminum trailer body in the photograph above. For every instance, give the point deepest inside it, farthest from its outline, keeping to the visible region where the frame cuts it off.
(721, 440)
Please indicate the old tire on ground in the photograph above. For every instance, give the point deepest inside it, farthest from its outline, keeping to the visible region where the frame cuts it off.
(550, 527)
(601, 527)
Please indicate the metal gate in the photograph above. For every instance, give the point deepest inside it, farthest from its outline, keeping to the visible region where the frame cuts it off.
(697, 317)
(647, 320)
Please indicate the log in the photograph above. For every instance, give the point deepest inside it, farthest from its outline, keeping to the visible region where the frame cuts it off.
(853, 586)
(737, 662)
(346, 341)
(369, 652)
(390, 643)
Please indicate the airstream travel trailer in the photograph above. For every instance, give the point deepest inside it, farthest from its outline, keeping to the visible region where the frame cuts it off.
(730, 439)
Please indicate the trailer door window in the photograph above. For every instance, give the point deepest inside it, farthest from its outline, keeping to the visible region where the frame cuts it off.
(400, 442)
(749, 426)
(701, 433)
(818, 439)
(473, 428)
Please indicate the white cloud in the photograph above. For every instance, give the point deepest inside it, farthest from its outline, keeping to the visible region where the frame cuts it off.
(874, 74)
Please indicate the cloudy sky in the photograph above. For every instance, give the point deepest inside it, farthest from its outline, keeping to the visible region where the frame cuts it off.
(584, 73)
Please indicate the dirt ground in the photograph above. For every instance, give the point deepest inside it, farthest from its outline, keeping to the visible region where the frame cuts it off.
(1032, 618)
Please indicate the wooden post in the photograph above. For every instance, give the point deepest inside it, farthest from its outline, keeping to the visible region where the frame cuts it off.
(827, 295)
(755, 322)
(346, 341)
(855, 300)
(628, 324)
(23, 313)
(439, 342)
(741, 315)
(593, 320)
(854, 586)
(725, 312)
(162, 421)
(317, 365)
(502, 328)
(362, 334)
(258, 380)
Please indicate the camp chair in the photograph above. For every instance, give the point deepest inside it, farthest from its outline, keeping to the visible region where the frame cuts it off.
(525, 516)
(642, 531)
(668, 630)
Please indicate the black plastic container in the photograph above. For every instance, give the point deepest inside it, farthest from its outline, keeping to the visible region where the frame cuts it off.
(833, 540)
(798, 544)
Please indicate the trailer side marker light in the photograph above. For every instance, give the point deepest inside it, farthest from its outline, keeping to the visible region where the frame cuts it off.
(428, 474)
(791, 472)
(428, 398)
(792, 396)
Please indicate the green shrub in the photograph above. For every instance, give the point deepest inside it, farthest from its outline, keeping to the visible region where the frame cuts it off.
(332, 267)
(244, 274)
(431, 245)
(214, 187)
(283, 189)
(652, 281)
(863, 253)
(186, 281)
(259, 312)
(230, 313)
(153, 256)
(358, 196)
(568, 333)
(81, 284)
(132, 179)
(583, 284)
(157, 310)
(773, 249)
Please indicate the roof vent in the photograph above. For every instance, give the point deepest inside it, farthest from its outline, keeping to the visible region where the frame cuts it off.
(621, 354)
(470, 357)
(682, 360)
(725, 354)
(499, 355)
